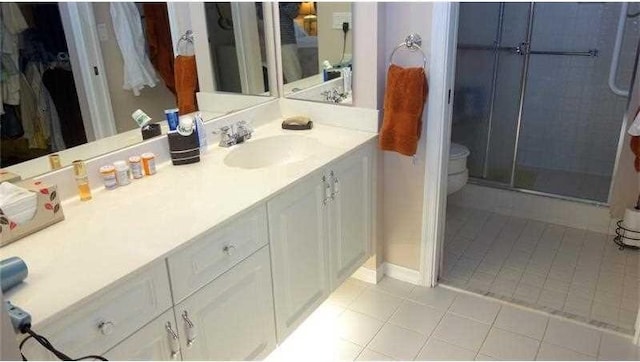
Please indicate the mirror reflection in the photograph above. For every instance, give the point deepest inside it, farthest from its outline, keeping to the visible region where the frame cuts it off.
(316, 41)
(70, 87)
(237, 47)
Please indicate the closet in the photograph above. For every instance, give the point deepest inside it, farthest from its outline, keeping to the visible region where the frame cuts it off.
(40, 110)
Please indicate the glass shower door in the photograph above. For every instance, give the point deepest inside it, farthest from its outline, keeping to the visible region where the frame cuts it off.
(571, 120)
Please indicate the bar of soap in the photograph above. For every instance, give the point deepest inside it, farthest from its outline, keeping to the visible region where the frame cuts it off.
(297, 123)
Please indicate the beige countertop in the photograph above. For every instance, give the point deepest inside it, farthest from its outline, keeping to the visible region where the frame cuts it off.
(123, 230)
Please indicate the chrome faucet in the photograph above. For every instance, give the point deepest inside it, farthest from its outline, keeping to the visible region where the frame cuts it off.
(333, 95)
(234, 134)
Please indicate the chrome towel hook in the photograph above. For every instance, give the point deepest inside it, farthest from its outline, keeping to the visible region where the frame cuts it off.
(412, 42)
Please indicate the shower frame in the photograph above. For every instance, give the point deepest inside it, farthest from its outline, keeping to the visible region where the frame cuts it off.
(523, 49)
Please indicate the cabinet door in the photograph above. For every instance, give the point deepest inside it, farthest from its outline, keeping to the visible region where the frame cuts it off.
(350, 214)
(299, 254)
(157, 341)
(232, 317)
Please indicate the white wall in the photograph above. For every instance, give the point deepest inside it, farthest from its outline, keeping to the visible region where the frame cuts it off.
(403, 179)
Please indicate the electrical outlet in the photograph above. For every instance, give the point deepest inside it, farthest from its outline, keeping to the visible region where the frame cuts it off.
(339, 18)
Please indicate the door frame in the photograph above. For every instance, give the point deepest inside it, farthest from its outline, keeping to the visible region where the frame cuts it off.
(444, 33)
(87, 64)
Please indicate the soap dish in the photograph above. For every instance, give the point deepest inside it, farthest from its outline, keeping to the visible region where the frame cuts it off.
(297, 123)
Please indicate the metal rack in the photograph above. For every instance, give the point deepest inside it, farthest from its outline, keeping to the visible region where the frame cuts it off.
(412, 42)
(622, 234)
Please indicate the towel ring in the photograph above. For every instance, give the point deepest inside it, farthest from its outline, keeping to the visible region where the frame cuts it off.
(186, 40)
(412, 42)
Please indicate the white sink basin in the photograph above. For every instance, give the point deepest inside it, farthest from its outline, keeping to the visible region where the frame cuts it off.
(271, 151)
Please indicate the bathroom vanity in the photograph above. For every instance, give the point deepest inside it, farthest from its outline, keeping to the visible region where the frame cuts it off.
(218, 260)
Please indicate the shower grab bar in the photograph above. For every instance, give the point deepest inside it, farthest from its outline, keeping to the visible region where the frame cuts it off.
(615, 59)
(518, 50)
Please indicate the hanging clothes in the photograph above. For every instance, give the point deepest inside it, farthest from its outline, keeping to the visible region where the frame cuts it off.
(13, 23)
(158, 31)
(138, 70)
(47, 118)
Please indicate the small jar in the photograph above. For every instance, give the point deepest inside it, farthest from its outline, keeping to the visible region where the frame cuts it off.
(54, 161)
(108, 173)
(135, 163)
(149, 163)
(123, 173)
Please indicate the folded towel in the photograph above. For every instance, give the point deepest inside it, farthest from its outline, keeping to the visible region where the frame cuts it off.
(404, 100)
(186, 83)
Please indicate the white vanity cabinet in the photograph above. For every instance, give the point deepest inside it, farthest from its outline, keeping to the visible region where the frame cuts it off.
(319, 235)
(232, 317)
(350, 213)
(108, 317)
(299, 251)
(157, 341)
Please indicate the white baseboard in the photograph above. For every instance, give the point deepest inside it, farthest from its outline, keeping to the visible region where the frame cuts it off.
(369, 275)
(402, 273)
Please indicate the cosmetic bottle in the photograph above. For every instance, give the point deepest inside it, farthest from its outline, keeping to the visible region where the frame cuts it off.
(82, 180)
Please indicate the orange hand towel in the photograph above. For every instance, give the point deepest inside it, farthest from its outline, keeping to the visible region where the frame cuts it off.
(186, 83)
(404, 100)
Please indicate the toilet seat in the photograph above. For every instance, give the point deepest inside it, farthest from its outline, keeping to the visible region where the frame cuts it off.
(457, 158)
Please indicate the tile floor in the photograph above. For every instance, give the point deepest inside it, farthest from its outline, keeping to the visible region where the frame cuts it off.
(394, 320)
(561, 270)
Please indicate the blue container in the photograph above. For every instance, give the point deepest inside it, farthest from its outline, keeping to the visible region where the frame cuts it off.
(173, 118)
(12, 272)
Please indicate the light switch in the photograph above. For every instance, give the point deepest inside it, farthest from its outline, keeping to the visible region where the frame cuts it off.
(103, 33)
(339, 18)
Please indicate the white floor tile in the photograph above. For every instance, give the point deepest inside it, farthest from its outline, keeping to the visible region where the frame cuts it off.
(436, 350)
(394, 287)
(439, 298)
(574, 336)
(462, 332)
(551, 352)
(347, 293)
(378, 305)
(526, 323)
(506, 345)
(357, 327)
(617, 348)
(482, 357)
(347, 351)
(551, 299)
(417, 317)
(480, 309)
(399, 343)
(369, 355)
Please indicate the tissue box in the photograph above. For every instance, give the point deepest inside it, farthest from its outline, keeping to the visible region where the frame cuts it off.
(48, 212)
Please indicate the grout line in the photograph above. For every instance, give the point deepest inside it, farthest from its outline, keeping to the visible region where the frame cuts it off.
(546, 326)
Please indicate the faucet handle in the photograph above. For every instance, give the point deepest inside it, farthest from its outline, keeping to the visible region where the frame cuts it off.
(222, 130)
(244, 130)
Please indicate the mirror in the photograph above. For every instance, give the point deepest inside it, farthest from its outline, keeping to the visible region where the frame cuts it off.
(66, 69)
(316, 42)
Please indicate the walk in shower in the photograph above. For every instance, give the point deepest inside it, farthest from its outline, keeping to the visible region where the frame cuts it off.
(534, 101)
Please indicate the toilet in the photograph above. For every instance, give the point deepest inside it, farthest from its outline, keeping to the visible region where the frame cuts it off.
(458, 174)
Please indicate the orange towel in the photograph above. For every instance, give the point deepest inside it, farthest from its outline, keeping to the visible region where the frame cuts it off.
(158, 34)
(404, 100)
(186, 83)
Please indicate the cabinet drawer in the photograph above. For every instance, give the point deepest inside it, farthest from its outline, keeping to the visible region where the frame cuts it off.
(107, 317)
(216, 252)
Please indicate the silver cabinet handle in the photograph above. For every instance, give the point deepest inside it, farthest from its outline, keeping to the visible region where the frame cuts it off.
(174, 343)
(106, 327)
(229, 249)
(190, 327)
(327, 190)
(335, 185)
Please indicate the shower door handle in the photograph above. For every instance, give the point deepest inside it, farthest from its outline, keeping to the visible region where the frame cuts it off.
(522, 48)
